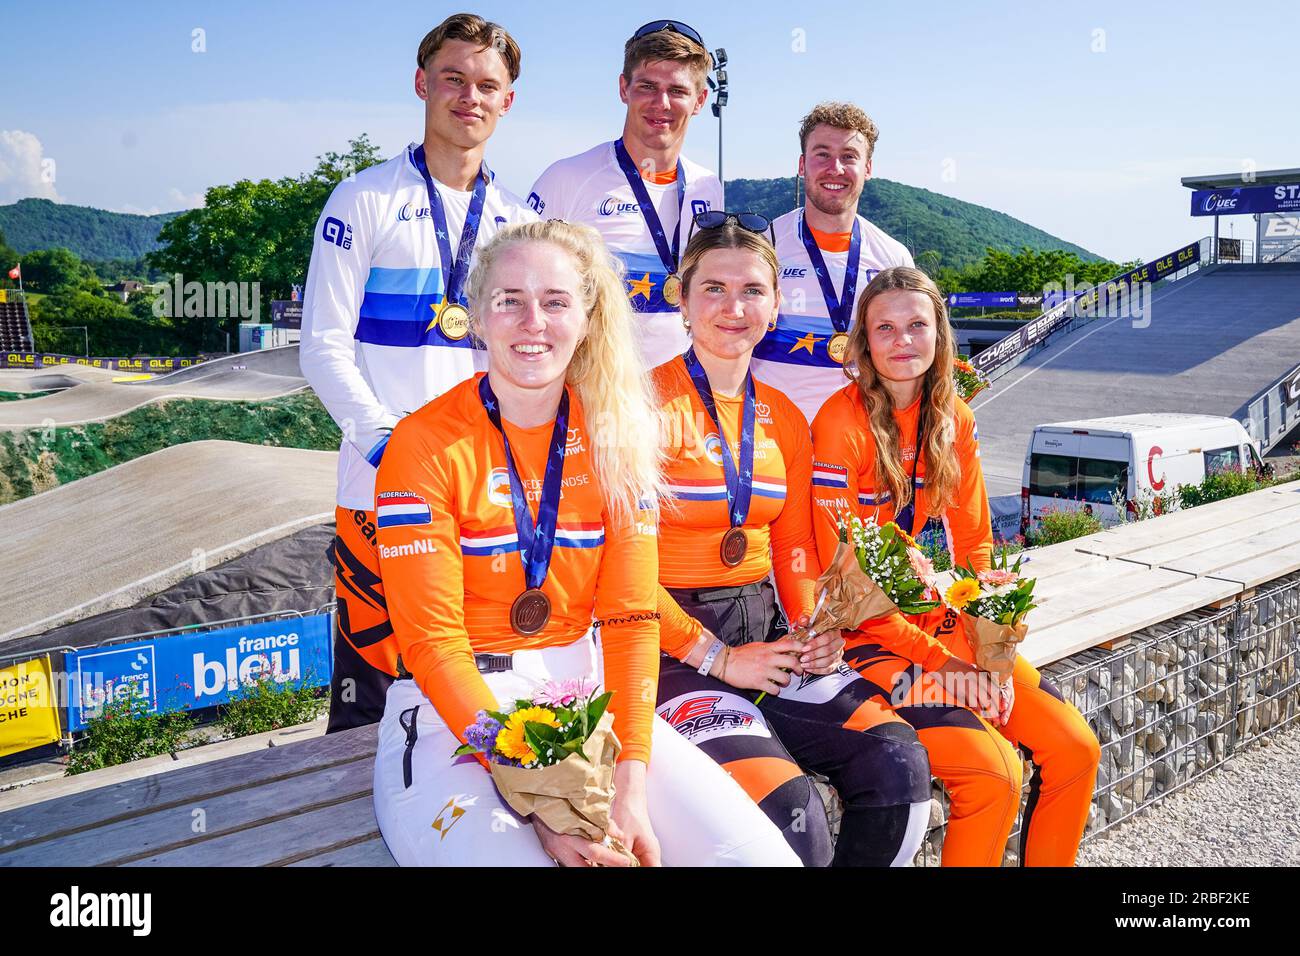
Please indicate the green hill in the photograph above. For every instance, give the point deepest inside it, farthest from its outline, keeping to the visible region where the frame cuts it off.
(93, 234)
(958, 231)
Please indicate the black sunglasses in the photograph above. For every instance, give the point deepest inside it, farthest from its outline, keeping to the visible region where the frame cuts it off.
(717, 218)
(673, 26)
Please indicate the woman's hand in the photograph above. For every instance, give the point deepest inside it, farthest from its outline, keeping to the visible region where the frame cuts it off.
(763, 666)
(823, 653)
(971, 687)
(576, 850)
(629, 819)
(1007, 700)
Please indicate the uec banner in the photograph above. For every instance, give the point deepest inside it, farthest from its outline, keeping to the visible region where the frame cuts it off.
(1246, 199)
(192, 671)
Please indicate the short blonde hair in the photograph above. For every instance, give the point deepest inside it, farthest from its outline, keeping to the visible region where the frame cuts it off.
(839, 116)
(666, 45)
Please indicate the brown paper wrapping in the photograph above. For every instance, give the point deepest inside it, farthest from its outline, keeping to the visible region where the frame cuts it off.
(572, 797)
(851, 596)
(994, 644)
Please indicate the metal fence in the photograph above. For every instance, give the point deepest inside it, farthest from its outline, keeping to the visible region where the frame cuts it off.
(1176, 701)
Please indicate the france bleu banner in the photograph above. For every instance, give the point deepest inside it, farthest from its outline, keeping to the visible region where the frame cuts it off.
(1246, 199)
(192, 671)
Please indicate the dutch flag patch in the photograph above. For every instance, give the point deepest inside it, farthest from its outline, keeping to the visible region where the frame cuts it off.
(394, 508)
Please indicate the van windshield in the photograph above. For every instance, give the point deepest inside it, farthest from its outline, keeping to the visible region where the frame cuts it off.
(1081, 479)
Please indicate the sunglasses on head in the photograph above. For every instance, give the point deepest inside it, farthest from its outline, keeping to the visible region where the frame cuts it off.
(717, 218)
(672, 26)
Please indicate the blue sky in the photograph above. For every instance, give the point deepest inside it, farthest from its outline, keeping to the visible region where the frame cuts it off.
(1026, 108)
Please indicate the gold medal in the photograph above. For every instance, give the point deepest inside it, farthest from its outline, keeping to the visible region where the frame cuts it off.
(837, 348)
(453, 319)
(530, 612)
(673, 289)
(734, 546)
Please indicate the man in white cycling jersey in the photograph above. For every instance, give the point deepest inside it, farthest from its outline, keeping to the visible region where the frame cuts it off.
(639, 192)
(384, 323)
(828, 254)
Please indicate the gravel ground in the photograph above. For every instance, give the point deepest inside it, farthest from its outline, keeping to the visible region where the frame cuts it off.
(1246, 813)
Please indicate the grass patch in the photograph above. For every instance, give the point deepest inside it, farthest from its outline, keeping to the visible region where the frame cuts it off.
(39, 459)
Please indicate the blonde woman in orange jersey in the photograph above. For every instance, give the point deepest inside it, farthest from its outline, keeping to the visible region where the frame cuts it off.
(738, 475)
(511, 515)
(898, 444)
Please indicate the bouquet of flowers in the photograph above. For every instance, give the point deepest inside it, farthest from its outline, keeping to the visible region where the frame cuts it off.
(996, 602)
(966, 379)
(875, 571)
(553, 755)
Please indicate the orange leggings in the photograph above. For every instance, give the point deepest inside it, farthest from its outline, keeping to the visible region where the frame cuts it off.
(978, 763)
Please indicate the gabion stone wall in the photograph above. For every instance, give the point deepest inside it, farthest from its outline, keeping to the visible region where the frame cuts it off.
(1175, 701)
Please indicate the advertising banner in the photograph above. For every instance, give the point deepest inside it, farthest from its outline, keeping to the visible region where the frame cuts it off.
(1245, 199)
(193, 671)
(29, 715)
(286, 314)
(1279, 236)
(143, 363)
(985, 300)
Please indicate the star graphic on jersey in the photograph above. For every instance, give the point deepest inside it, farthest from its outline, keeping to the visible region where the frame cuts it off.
(641, 286)
(441, 234)
(806, 341)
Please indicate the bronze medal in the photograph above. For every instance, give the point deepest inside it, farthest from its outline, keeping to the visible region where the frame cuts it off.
(530, 612)
(838, 347)
(454, 321)
(734, 546)
(673, 289)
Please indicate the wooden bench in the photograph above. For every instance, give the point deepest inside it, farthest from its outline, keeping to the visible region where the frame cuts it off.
(301, 804)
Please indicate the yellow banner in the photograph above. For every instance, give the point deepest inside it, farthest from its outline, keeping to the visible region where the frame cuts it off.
(29, 715)
(4, 295)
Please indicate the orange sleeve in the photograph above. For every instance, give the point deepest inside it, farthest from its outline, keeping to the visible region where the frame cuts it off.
(969, 519)
(840, 449)
(422, 570)
(794, 547)
(626, 599)
(678, 631)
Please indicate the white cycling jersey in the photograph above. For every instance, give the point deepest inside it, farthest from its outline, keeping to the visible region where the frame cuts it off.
(370, 347)
(794, 358)
(591, 188)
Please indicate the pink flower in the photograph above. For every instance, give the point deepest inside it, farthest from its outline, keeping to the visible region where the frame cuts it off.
(923, 567)
(996, 577)
(563, 693)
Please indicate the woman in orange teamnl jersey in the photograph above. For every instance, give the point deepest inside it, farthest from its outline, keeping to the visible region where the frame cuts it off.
(511, 515)
(739, 476)
(898, 444)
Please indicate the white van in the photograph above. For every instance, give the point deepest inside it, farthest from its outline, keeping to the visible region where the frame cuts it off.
(1082, 464)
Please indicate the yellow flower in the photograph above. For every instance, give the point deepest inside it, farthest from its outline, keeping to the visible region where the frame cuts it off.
(511, 742)
(962, 593)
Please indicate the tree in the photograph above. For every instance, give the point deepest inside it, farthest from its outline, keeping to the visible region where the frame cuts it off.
(253, 232)
(112, 328)
(8, 259)
(56, 271)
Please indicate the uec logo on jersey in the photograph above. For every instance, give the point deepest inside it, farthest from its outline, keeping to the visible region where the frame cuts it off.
(499, 487)
(406, 214)
(793, 273)
(609, 207)
(713, 448)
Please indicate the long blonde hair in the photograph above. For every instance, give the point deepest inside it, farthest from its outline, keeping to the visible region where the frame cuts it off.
(938, 397)
(606, 372)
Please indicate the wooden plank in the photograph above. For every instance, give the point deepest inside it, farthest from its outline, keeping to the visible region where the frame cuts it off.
(173, 827)
(1115, 585)
(369, 852)
(278, 843)
(1255, 572)
(1056, 559)
(1181, 551)
(1279, 545)
(1051, 643)
(91, 808)
(1123, 540)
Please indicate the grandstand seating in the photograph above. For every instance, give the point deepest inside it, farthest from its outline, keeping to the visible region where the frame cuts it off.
(15, 327)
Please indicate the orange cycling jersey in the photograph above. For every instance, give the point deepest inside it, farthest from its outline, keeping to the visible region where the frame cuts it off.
(844, 454)
(779, 523)
(449, 556)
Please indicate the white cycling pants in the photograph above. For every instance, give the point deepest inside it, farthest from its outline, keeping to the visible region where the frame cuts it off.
(437, 810)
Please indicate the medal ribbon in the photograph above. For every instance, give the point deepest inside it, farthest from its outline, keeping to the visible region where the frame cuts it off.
(455, 268)
(840, 308)
(739, 485)
(667, 254)
(535, 541)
